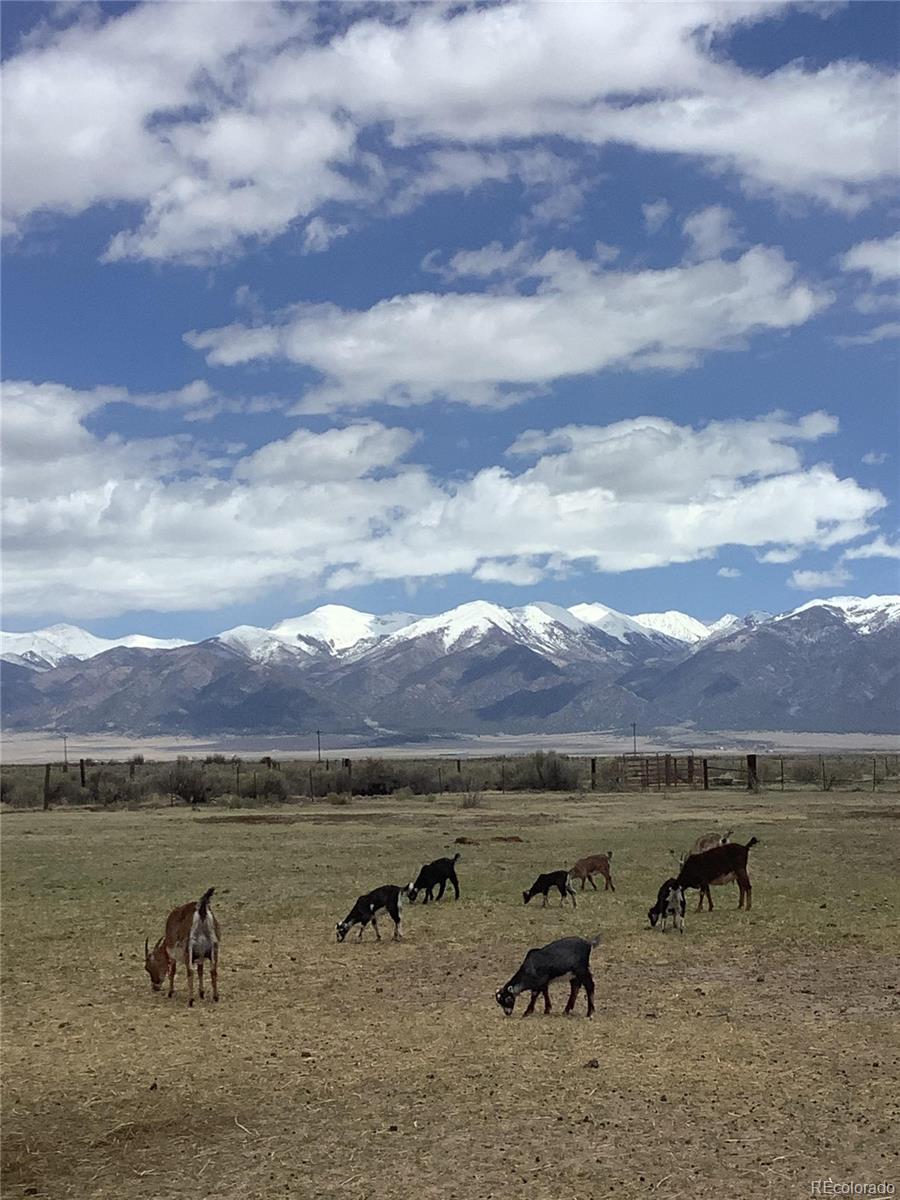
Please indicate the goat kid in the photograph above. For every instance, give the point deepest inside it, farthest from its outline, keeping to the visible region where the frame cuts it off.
(191, 937)
(436, 874)
(566, 958)
(669, 903)
(593, 864)
(387, 899)
(551, 879)
(719, 865)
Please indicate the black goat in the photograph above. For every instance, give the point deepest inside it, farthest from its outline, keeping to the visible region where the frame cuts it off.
(551, 879)
(368, 908)
(566, 957)
(700, 870)
(436, 874)
(669, 903)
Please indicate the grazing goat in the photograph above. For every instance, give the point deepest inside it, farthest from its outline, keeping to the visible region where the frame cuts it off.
(594, 864)
(192, 936)
(669, 903)
(368, 908)
(708, 841)
(551, 879)
(700, 870)
(436, 874)
(569, 957)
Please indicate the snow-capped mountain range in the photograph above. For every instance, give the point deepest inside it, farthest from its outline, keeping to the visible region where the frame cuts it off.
(829, 665)
(337, 630)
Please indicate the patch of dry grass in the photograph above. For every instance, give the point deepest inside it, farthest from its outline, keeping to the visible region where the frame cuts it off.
(750, 1056)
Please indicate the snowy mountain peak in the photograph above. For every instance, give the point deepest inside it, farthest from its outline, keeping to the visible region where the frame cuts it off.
(340, 627)
(866, 614)
(56, 643)
(674, 624)
(614, 623)
(541, 625)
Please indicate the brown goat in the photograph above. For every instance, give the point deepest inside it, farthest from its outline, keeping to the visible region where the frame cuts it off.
(192, 936)
(707, 841)
(593, 864)
(700, 870)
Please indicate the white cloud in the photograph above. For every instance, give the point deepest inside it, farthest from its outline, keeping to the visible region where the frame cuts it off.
(814, 581)
(655, 215)
(880, 258)
(880, 547)
(875, 458)
(319, 234)
(229, 131)
(106, 525)
(711, 232)
(881, 333)
(479, 348)
(780, 554)
(729, 573)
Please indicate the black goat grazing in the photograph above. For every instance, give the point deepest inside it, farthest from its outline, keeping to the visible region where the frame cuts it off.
(551, 879)
(669, 903)
(569, 957)
(436, 874)
(700, 870)
(387, 899)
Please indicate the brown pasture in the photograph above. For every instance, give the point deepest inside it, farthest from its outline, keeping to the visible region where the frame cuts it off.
(753, 1055)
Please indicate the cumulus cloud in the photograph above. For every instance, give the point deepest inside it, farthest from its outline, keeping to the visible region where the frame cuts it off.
(656, 214)
(711, 232)
(227, 132)
(880, 547)
(729, 573)
(879, 258)
(881, 333)
(482, 348)
(109, 524)
(874, 458)
(814, 581)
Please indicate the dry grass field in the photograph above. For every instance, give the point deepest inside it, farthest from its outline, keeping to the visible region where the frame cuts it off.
(752, 1055)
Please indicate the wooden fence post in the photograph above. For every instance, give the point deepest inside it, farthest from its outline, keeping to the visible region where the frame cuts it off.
(781, 760)
(874, 774)
(706, 775)
(46, 786)
(822, 764)
(81, 769)
(502, 776)
(752, 773)
(593, 774)
(311, 793)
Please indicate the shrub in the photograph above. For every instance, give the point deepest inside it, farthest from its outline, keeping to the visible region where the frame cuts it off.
(186, 782)
(337, 798)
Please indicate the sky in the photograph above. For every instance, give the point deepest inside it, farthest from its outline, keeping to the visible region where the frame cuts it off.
(401, 306)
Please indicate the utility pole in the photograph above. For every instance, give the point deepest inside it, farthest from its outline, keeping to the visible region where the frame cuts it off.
(634, 738)
(319, 744)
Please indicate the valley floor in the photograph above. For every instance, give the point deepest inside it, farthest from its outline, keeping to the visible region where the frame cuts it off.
(749, 1057)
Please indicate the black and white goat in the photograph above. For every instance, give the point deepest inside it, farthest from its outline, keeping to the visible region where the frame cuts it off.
(566, 958)
(551, 879)
(669, 903)
(433, 875)
(367, 909)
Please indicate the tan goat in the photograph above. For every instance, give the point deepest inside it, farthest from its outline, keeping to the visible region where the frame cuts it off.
(594, 864)
(191, 937)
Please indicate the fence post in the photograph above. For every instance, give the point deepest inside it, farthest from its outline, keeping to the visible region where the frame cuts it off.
(822, 764)
(667, 767)
(752, 774)
(502, 776)
(237, 773)
(706, 775)
(459, 766)
(593, 774)
(311, 792)
(81, 769)
(657, 773)
(46, 786)
(874, 775)
(781, 760)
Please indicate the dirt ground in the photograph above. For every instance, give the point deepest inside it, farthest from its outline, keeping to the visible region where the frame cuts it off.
(753, 1055)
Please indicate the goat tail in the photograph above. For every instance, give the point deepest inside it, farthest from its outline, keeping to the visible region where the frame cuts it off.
(595, 940)
(457, 856)
(203, 903)
(753, 842)
(609, 854)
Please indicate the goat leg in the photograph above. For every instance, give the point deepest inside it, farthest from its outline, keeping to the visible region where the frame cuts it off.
(546, 994)
(214, 974)
(573, 993)
(200, 979)
(530, 1009)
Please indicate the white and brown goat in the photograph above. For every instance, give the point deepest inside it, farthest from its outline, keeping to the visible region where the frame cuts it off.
(594, 864)
(191, 937)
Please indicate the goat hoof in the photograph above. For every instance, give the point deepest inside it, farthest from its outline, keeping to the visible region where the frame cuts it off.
(190, 1003)
(216, 998)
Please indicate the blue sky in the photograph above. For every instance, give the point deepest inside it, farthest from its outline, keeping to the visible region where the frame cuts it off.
(404, 307)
